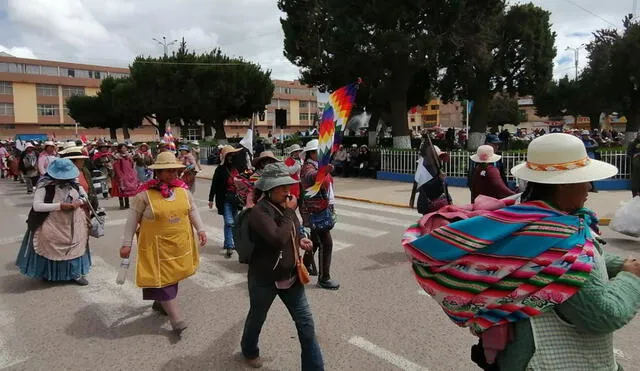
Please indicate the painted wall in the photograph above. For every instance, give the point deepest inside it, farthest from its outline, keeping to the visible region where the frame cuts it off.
(24, 103)
(294, 113)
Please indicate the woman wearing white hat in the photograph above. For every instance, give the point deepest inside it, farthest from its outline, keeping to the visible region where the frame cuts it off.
(555, 298)
(166, 215)
(29, 167)
(486, 179)
(46, 157)
(319, 207)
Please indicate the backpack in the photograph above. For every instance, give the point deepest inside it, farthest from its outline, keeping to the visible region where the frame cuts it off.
(36, 218)
(244, 244)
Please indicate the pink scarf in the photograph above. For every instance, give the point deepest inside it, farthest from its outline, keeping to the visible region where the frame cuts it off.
(166, 189)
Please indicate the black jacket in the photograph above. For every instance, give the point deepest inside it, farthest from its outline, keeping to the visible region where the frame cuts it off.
(218, 188)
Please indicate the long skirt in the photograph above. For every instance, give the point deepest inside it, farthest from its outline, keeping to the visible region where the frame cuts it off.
(35, 266)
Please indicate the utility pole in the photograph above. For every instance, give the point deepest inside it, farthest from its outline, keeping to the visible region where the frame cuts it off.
(576, 56)
(165, 45)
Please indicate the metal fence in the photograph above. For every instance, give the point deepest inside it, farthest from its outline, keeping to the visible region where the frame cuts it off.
(404, 162)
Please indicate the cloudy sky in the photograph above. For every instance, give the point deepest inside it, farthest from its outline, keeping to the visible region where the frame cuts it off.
(112, 32)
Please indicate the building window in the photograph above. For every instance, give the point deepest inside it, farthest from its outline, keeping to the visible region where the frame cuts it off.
(435, 107)
(6, 88)
(46, 90)
(6, 109)
(304, 104)
(194, 133)
(49, 71)
(4, 67)
(32, 69)
(83, 74)
(271, 116)
(68, 91)
(94, 75)
(48, 110)
(285, 90)
(305, 116)
(430, 118)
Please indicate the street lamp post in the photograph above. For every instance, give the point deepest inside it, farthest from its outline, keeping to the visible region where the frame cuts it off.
(165, 45)
(576, 56)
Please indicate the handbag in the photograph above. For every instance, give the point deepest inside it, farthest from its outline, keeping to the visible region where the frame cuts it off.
(324, 220)
(301, 270)
(96, 223)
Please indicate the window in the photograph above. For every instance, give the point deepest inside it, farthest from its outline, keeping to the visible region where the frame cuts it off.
(285, 90)
(16, 68)
(68, 91)
(32, 69)
(68, 72)
(6, 109)
(116, 75)
(413, 119)
(49, 71)
(435, 107)
(47, 110)
(94, 75)
(304, 104)
(83, 74)
(430, 118)
(194, 134)
(4, 67)
(271, 116)
(305, 116)
(6, 88)
(46, 90)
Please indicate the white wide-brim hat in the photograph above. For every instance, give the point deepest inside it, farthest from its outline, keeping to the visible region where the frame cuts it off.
(561, 159)
(485, 155)
(311, 146)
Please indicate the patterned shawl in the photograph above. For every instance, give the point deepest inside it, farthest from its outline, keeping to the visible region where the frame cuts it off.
(503, 266)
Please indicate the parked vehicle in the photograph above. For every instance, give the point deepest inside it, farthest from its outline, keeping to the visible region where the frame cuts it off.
(100, 184)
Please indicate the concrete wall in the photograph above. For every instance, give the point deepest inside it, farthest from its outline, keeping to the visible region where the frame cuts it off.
(24, 103)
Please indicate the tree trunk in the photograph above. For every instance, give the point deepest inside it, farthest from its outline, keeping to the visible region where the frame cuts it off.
(633, 126)
(208, 131)
(125, 133)
(594, 119)
(113, 134)
(399, 123)
(220, 133)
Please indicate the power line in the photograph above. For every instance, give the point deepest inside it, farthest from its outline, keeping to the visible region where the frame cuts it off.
(592, 13)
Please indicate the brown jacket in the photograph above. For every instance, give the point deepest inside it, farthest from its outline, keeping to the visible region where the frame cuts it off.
(271, 229)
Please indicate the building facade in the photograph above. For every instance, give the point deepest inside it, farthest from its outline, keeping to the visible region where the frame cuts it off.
(300, 101)
(435, 113)
(33, 96)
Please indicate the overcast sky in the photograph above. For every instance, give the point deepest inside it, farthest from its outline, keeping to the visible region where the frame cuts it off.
(113, 32)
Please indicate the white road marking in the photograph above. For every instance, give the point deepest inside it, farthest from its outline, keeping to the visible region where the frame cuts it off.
(362, 231)
(117, 304)
(11, 349)
(374, 207)
(396, 360)
(373, 218)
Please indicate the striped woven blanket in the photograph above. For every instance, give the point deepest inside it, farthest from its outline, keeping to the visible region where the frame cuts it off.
(504, 266)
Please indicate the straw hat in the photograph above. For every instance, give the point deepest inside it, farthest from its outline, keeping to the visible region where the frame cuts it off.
(143, 145)
(166, 160)
(48, 143)
(263, 156)
(294, 148)
(62, 169)
(274, 175)
(227, 150)
(29, 145)
(311, 146)
(73, 153)
(561, 159)
(485, 155)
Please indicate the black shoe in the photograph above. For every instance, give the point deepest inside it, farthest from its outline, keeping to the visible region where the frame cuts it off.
(157, 307)
(81, 281)
(313, 271)
(228, 253)
(329, 284)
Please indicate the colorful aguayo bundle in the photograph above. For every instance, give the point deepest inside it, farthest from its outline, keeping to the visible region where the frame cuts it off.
(504, 265)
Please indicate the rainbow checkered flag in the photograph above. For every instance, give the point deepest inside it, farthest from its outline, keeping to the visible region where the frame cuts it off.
(332, 126)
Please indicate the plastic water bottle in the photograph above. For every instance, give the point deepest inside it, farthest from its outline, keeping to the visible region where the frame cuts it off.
(122, 271)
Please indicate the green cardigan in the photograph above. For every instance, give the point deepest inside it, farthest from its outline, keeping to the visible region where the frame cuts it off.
(599, 307)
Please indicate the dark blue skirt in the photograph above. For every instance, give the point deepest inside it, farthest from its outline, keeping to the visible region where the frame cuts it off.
(35, 266)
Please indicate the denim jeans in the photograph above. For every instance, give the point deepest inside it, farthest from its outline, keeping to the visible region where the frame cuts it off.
(230, 212)
(261, 295)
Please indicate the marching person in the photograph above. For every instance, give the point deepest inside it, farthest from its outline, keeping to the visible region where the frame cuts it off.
(318, 214)
(275, 229)
(125, 179)
(295, 165)
(486, 179)
(78, 157)
(166, 214)
(224, 192)
(46, 157)
(143, 159)
(29, 167)
(4, 154)
(56, 244)
(190, 163)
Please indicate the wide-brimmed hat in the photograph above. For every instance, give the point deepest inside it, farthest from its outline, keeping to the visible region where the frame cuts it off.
(195, 143)
(67, 145)
(264, 156)
(29, 145)
(62, 169)
(48, 143)
(293, 148)
(485, 155)
(184, 148)
(311, 146)
(73, 153)
(227, 150)
(561, 159)
(143, 145)
(166, 160)
(274, 175)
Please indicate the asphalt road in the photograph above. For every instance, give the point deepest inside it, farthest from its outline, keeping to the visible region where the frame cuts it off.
(378, 320)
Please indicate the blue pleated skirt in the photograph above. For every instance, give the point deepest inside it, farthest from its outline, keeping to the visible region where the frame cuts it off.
(35, 266)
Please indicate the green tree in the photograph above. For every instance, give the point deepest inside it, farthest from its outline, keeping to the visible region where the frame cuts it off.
(391, 45)
(90, 112)
(503, 110)
(496, 49)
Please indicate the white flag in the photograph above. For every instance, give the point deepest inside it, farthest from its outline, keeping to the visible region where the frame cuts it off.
(422, 175)
(247, 141)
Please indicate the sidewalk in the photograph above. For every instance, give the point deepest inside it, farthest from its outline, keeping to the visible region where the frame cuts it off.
(389, 193)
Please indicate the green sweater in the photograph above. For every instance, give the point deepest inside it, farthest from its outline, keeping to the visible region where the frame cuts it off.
(600, 307)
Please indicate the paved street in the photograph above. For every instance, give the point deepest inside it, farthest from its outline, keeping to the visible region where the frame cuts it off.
(378, 320)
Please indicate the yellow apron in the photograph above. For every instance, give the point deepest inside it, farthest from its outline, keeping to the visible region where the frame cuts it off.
(167, 251)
